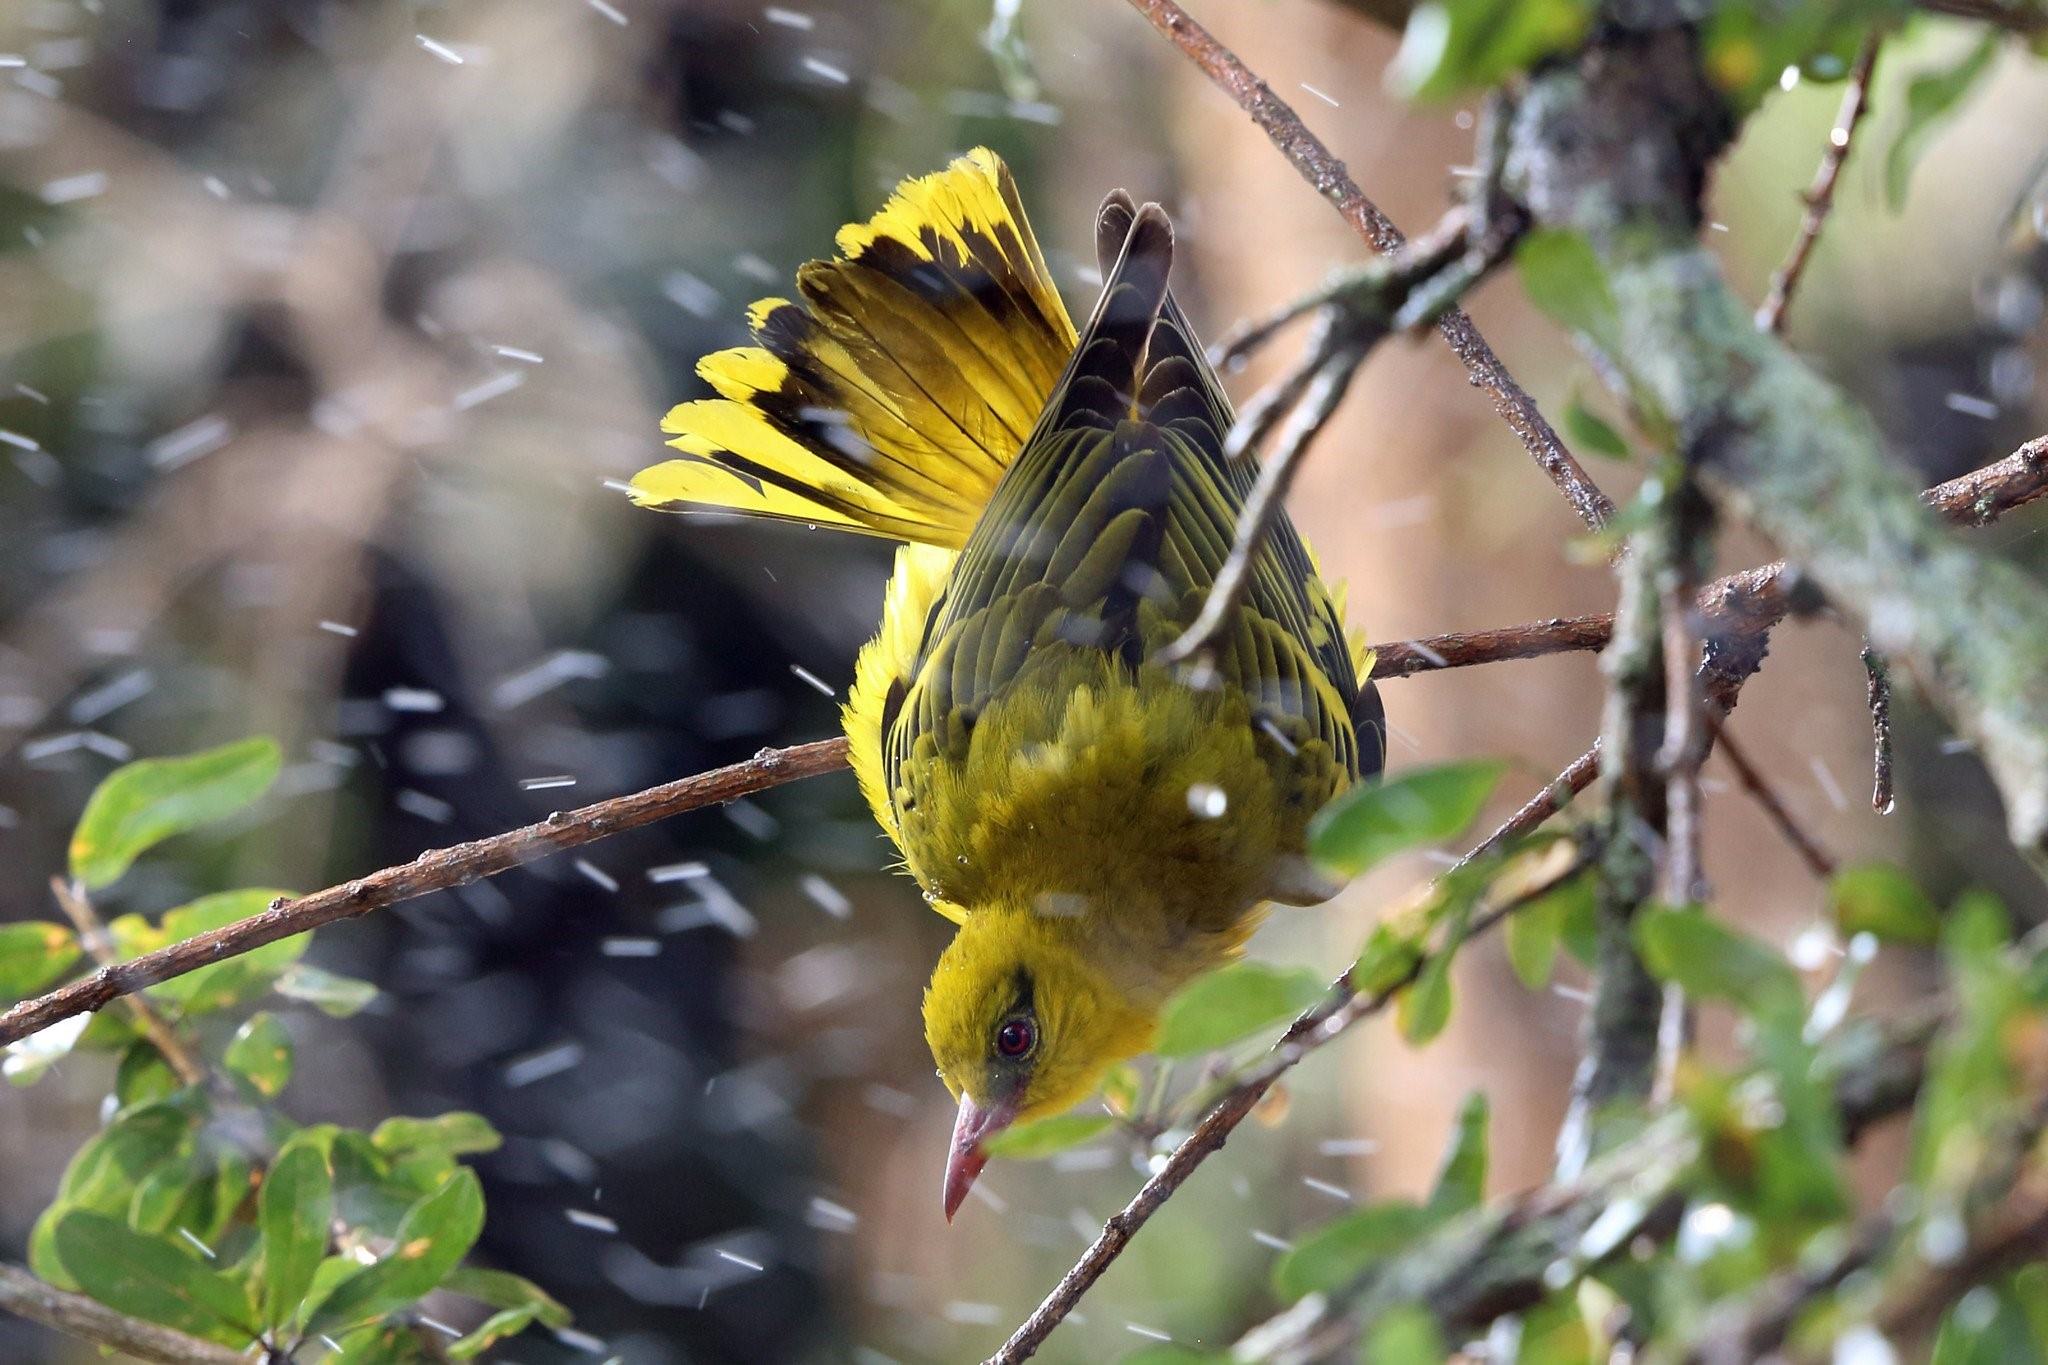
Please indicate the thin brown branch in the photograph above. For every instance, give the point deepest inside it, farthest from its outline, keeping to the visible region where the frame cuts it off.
(1748, 601)
(1878, 678)
(89, 1320)
(1820, 199)
(93, 937)
(1816, 858)
(1307, 154)
(1263, 505)
(435, 870)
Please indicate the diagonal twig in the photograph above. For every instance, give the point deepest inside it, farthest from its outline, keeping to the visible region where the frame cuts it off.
(1307, 154)
(1820, 198)
(23, 1294)
(92, 936)
(435, 870)
(1816, 858)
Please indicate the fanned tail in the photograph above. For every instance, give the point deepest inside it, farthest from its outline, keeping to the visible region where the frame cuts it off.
(892, 397)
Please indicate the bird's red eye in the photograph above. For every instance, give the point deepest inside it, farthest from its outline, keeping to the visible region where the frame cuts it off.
(1015, 1037)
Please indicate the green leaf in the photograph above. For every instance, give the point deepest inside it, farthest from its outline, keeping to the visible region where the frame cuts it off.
(144, 803)
(1565, 279)
(331, 993)
(1424, 1008)
(1341, 1250)
(502, 1289)
(150, 1278)
(144, 1076)
(519, 1303)
(261, 1054)
(295, 1212)
(1389, 957)
(1930, 99)
(28, 1058)
(1453, 46)
(1029, 1141)
(1406, 1335)
(1880, 899)
(456, 1133)
(165, 1191)
(32, 955)
(1590, 431)
(1536, 930)
(1374, 821)
(1461, 1181)
(1712, 961)
(1231, 1003)
(434, 1236)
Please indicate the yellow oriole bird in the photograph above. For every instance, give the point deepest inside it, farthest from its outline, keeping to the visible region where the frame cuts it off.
(1101, 828)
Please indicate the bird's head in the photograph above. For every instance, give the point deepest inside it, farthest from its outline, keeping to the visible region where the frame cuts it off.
(1022, 1027)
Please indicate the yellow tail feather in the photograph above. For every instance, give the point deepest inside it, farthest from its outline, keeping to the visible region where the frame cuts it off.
(892, 398)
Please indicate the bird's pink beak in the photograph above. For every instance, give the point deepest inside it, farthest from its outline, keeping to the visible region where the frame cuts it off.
(964, 1162)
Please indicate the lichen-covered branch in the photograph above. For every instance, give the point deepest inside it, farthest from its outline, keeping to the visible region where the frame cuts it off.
(1617, 145)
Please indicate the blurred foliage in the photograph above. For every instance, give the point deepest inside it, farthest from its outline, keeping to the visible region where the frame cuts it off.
(200, 1205)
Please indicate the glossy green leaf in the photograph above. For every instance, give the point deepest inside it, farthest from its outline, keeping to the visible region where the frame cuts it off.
(1339, 1251)
(456, 1133)
(143, 803)
(1044, 1137)
(519, 1303)
(143, 1076)
(1880, 899)
(1590, 431)
(1374, 821)
(1712, 961)
(164, 1192)
(295, 1212)
(261, 1054)
(1405, 1335)
(331, 993)
(1565, 279)
(1389, 958)
(32, 955)
(1931, 98)
(434, 1236)
(1461, 1180)
(1453, 46)
(150, 1278)
(1424, 1008)
(1536, 931)
(1233, 1003)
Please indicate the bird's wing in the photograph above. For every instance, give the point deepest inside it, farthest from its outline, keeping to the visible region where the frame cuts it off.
(891, 397)
(1108, 531)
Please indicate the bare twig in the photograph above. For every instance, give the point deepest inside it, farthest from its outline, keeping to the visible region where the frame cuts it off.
(1263, 506)
(92, 936)
(435, 870)
(1748, 601)
(1879, 679)
(76, 1315)
(1820, 199)
(1809, 850)
(1338, 1010)
(1307, 154)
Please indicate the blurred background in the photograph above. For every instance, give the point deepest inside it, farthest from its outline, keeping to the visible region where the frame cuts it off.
(326, 330)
